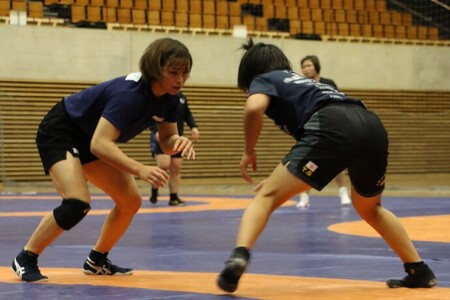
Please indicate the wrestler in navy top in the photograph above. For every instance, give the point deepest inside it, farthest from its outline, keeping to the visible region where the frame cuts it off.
(294, 98)
(77, 143)
(127, 102)
(339, 133)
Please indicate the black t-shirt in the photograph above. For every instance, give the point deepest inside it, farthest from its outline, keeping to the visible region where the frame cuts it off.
(127, 102)
(294, 98)
(328, 81)
(184, 114)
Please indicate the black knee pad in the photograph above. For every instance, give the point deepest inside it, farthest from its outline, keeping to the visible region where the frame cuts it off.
(70, 213)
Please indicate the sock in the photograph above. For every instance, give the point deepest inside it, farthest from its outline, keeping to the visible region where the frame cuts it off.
(409, 266)
(29, 253)
(242, 251)
(173, 196)
(97, 256)
(93, 249)
(154, 193)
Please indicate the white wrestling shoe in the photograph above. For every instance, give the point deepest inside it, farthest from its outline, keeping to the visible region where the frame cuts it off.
(303, 201)
(343, 194)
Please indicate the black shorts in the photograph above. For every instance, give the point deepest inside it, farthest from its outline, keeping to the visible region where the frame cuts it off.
(337, 137)
(58, 134)
(156, 150)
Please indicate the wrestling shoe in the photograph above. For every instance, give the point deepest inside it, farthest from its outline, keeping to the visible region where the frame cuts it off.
(234, 268)
(153, 196)
(419, 276)
(176, 202)
(97, 263)
(153, 199)
(303, 201)
(26, 267)
(343, 194)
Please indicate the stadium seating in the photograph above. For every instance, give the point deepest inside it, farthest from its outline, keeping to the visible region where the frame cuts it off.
(343, 20)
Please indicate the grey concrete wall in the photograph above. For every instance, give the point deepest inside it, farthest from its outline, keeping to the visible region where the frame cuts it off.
(73, 54)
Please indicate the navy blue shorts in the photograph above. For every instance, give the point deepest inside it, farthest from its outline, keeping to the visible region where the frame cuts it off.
(337, 137)
(156, 150)
(58, 134)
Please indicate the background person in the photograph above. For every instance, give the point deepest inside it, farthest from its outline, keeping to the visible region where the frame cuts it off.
(172, 163)
(310, 66)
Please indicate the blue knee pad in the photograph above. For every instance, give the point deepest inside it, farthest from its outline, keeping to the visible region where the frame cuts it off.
(70, 213)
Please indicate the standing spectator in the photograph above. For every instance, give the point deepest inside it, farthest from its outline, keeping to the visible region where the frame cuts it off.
(172, 163)
(311, 69)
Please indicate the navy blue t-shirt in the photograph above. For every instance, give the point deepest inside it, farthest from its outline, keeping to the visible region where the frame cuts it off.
(294, 98)
(127, 102)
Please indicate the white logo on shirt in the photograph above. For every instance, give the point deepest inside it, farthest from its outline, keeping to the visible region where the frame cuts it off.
(134, 76)
(157, 119)
(298, 79)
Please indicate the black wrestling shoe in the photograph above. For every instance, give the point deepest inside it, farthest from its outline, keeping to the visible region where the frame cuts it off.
(176, 202)
(153, 196)
(228, 279)
(97, 263)
(26, 267)
(153, 199)
(419, 276)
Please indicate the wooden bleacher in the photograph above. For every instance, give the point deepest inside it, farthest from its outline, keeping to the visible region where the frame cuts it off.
(418, 123)
(331, 20)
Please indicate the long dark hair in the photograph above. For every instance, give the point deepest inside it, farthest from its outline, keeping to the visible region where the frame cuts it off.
(258, 59)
